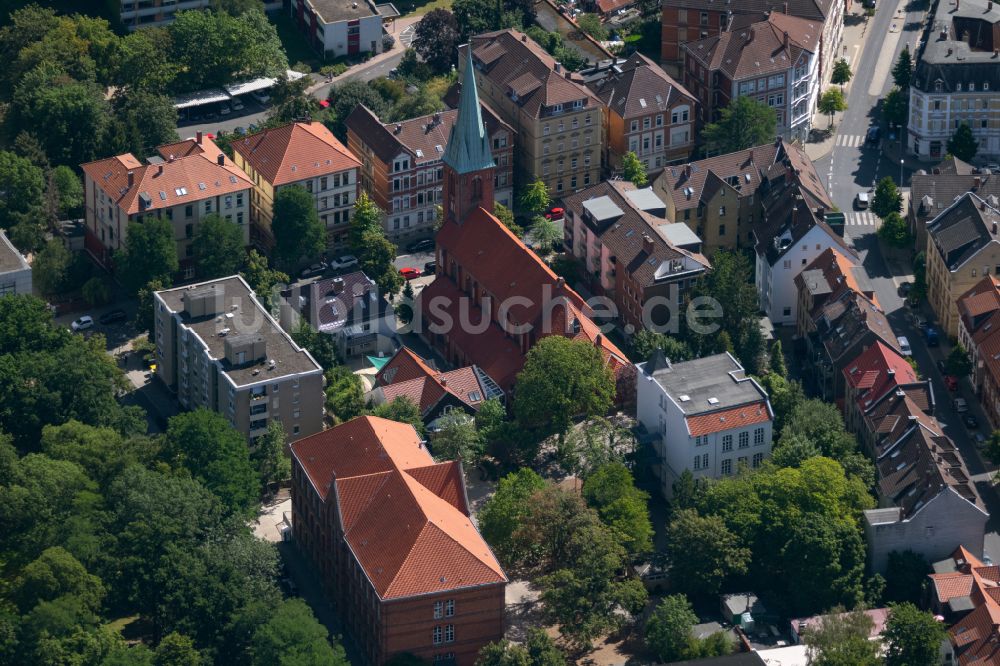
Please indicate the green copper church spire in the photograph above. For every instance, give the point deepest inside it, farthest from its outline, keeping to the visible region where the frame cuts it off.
(468, 146)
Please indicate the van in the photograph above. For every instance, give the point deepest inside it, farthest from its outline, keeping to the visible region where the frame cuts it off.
(932, 336)
(904, 346)
(861, 200)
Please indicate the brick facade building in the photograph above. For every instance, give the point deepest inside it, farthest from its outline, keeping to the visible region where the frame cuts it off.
(389, 532)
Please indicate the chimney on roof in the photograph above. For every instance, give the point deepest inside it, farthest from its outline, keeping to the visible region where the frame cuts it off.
(444, 381)
(647, 244)
(398, 129)
(687, 170)
(943, 34)
(891, 372)
(221, 159)
(437, 117)
(994, 228)
(338, 285)
(956, 5)
(131, 178)
(977, 182)
(786, 7)
(560, 282)
(170, 157)
(558, 67)
(989, 6)
(569, 74)
(159, 169)
(598, 340)
(197, 137)
(524, 38)
(982, 205)
(786, 40)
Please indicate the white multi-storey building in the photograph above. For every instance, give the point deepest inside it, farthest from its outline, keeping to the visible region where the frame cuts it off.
(706, 415)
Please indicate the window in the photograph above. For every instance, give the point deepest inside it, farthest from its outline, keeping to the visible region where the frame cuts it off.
(722, 227)
(727, 442)
(787, 312)
(438, 610)
(744, 439)
(188, 211)
(727, 466)
(449, 633)
(208, 206)
(704, 461)
(758, 458)
(437, 635)
(704, 18)
(697, 462)
(449, 608)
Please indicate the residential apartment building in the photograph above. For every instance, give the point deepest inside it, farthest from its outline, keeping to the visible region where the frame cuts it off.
(347, 308)
(15, 272)
(217, 348)
(824, 280)
(144, 13)
(979, 321)
(875, 372)
(558, 120)
(706, 416)
(956, 80)
(187, 181)
(963, 590)
(774, 61)
(435, 393)
(389, 532)
(630, 252)
(648, 113)
(307, 155)
(962, 248)
(933, 190)
(340, 28)
(486, 276)
(402, 169)
(686, 21)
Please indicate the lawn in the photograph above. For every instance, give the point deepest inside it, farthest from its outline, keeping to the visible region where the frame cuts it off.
(417, 8)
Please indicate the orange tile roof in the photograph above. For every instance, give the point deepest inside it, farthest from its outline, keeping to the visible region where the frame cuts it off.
(981, 298)
(405, 518)
(193, 174)
(294, 152)
(727, 419)
(408, 375)
(976, 637)
(876, 371)
(403, 366)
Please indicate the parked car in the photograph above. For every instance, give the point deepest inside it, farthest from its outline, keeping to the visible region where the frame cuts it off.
(980, 440)
(113, 317)
(951, 382)
(313, 271)
(343, 261)
(224, 109)
(261, 96)
(942, 366)
(409, 273)
(861, 200)
(874, 133)
(420, 245)
(83, 323)
(960, 405)
(904, 345)
(430, 267)
(970, 421)
(555, 213)
(236, 104)
(932, 336)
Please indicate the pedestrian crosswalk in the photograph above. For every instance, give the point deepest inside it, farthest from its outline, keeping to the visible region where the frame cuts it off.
(862, 219)
(850, 140)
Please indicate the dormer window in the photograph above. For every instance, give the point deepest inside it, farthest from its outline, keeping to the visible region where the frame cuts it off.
(958, 87)
(938, 85)
(972, 87)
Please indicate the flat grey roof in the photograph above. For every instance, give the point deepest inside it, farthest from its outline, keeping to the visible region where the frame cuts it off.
(816, 282)
(645, 199)
(387, 10)
(249, 318)
(678, 234)
(334, 11)
(603, 208)
(882, 516)
(713, 377)
(10, 259)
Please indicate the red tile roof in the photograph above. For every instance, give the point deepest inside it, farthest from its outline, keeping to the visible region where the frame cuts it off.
(403, 366)
(295, 152)
(976, 636)
(876, 371)
(411, 377)
(727, 419)
(189, 173)
(405, 518)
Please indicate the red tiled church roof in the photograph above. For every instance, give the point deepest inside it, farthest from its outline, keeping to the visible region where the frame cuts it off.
(405, 517)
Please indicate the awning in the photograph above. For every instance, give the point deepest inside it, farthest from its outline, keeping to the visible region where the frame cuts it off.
(378, 362)
(201, 97)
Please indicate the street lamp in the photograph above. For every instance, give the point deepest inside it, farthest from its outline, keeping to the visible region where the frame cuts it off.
(900, 171)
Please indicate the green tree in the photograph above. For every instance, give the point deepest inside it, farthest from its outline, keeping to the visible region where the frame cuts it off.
(147, 120)
(344, 393)
(23, 185)
(145, 314)
(912, 636)
(176, 650)
(841, 639)
(142, 61)
(542, 649)
(895, 232)
(963, 144)
(320, 345)
(490, 417)
(478, 16)
(832, 101)
(959, 363)
(703, 553)
(562, 379)
(263, 279)
(585, 597)
(896, 107)
(535, 199)
(437, 39)
(887, 198)
(785, 396)
(645, 342)
(777, 360)
(906, 576)
(218, 247)
(841, 73)
(506, 216)
(150, 254)
(669, 630)
(503, 653)
(404, 308)
(291, 100)
(402, 410)
(298, 232)
(822, 424)
(96, 291)
(591, 25)
(66, 192)
(457, 438)
(687, 491)
(624, 508)
(902, 71)
(377, 262)
(269, 457)
(54, 574)
(633, 170)
(344, 97)
(293, 636)
(504, 512)
(367, 218)
(216, 454)
(592, 444)
(50, 269)
(545, 234)
(743, 124)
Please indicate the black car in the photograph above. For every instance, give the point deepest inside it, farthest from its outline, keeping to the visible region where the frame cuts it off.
(970, 421)
(873, 135)
(430, 267)
(904, 289)
(942, 366)
(113, 317)
(313, 271)
(421, 245)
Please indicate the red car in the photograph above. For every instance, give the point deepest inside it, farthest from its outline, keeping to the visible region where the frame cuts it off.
(951, 382)
(555, 214)
(409, 273)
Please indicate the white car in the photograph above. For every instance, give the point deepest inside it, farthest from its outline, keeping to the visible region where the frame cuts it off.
(861, 201)
(224, 110)
(261, 97)
(343, 261)
(83, 323)
(960, 405)
(236, 104)
(904, 345)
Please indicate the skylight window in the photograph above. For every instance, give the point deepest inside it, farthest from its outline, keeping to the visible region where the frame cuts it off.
(163, 195)
(202, 186)
(181, 191)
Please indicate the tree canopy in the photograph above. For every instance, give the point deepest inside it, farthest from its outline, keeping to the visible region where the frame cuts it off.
(887, 198)
(912, 636)
(743, 124)
(218, 247)
(298, 232)
(437, 38)
(149, 254)
(611, 491)
(963, 144)
(841, 72)
(633, 170)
